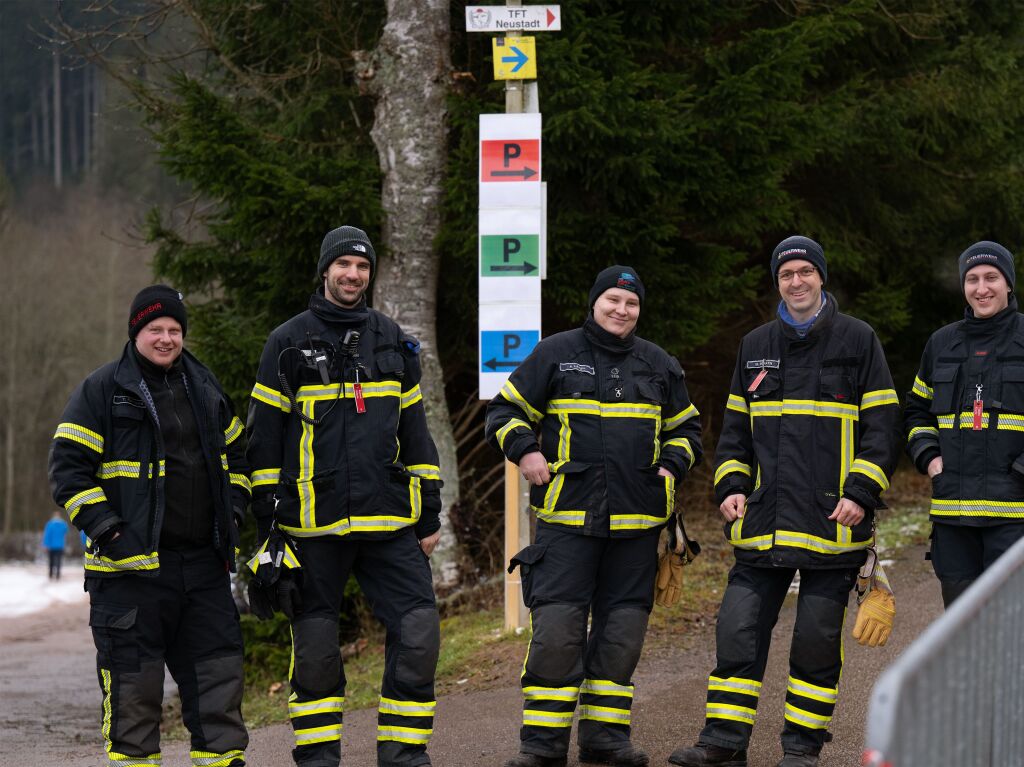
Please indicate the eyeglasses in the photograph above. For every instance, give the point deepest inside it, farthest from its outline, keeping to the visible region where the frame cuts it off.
(805, 274)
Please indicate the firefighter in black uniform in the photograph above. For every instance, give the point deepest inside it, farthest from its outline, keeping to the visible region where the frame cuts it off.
(808, 444)
(345, 468)
(149, 462)
(617, 432)
(965, 423)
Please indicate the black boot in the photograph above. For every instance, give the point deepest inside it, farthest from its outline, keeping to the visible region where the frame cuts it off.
(704, 754)
(630, 756)
(793, 759)
(535, 760)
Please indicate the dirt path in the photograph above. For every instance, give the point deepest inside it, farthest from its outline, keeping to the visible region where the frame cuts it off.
(49, 701)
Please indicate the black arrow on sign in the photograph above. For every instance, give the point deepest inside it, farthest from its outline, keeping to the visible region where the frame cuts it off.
(525, 268)
(525, 172)
(494, 364)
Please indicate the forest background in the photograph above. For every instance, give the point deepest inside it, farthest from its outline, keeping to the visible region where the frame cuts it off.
(212, 143)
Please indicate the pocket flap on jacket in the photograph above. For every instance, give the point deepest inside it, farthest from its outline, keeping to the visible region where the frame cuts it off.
(113, 616)
(945, 374)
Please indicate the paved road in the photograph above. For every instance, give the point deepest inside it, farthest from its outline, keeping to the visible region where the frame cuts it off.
(49, 701)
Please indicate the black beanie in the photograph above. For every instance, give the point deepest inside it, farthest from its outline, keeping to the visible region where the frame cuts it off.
(156, 301)
(345, 241)
(803, 248)
(987, 252)
(624, 277)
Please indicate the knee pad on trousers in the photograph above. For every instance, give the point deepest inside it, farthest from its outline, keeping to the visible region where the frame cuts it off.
(737, 627)
(616, 655)
(556, 650)
(818, 632)
(317, 654)
(952, 589)
(421, 643)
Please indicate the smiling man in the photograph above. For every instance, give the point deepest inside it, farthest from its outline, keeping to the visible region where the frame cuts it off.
(806, 449)
(345, 469)
(617, 432)
(964, 420)
(149, 461)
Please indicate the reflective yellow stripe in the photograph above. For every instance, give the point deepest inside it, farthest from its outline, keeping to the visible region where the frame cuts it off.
(81, 435)
(735, 684)
(84, 498)
(289, 560)
(879, 397)
(806, 718)
(918, 431)
(271, 397)
(509, 392)
(680, 418)
(333, 705)
(114, 759)
(570, 518)
(821, 545)
(406, 707)
(241, 481)
(754, 543)
(425, 470)
(743, 714)
(729, 467)
(266, 477)
(871, 470)
(684, 443)
(210, 759)
(923, 390)
(804, 407)
(371, 389)
(1008, 422)
(564, 694)
(606, 687)
(412, 735)
(604, 714)
(738, 404)
(102, 564)
(605, 409)
(514, 423)
(532, 718)
(977, 508)
(234, 431)
(411, 397)
(323, 734)
(808, 690)
(304, 484)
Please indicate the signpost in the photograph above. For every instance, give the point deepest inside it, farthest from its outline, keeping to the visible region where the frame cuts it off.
(512, 241)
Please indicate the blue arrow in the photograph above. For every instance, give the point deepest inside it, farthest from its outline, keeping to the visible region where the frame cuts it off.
(520, 58)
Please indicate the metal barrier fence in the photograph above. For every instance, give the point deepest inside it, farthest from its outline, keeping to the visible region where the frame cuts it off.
(955, 697)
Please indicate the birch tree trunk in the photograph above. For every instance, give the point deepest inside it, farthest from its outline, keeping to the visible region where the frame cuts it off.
(408, 73)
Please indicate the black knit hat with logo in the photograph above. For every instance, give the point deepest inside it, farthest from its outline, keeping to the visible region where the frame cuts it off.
(156, 301)
(987, 252)
(345, 241)
(624, 277)
(799, 247)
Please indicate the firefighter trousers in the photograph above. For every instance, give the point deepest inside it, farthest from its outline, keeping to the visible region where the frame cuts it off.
(749, 611)
(566, 577)
(184, 617)
(961, 553)
(394, 575)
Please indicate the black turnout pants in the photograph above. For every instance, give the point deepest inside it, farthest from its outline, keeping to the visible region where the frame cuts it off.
(749, 611)
(394, 574)
(961, 553)
(185, 617)
(566, 578)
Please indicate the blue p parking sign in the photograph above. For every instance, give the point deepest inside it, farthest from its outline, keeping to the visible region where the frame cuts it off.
(501, 351)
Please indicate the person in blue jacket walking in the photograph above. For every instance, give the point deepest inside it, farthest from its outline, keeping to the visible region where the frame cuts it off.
(54, 535)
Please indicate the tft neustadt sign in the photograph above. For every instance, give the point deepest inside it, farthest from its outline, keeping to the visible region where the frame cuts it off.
(505, 18)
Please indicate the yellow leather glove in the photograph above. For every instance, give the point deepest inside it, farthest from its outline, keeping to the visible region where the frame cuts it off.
(669, 584)
(874, 618)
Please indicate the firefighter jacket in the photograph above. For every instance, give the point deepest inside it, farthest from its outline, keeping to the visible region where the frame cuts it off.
(968, 362)
(607, 421)
(808, 420)
(352, 456)
(108, 463)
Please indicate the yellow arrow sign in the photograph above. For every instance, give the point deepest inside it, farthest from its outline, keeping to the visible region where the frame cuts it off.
(515, 58)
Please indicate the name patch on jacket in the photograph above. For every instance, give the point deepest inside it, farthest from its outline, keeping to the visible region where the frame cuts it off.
(758, 364)
(576, 367)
